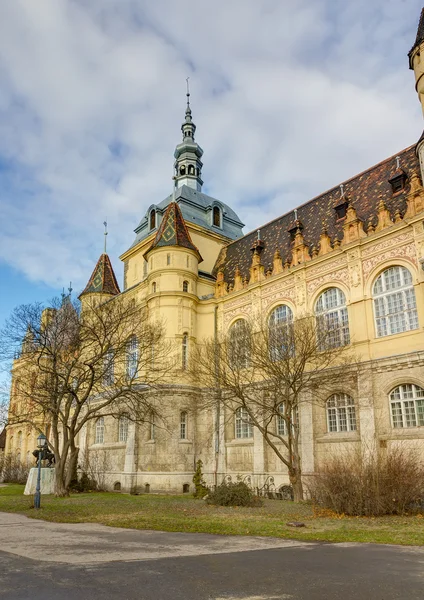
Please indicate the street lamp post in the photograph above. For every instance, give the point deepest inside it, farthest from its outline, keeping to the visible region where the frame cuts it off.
(42, 445)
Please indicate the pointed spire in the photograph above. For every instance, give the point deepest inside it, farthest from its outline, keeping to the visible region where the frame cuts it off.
(173, 231)
(419, 38)
(188, 154)
(102, 280)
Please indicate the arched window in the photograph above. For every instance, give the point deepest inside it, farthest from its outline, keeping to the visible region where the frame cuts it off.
(239, 345)
(216, 216)
(182, 170)
(185, 286)
(152, 219)
(145, 266)
(19, 439)
(154, 287)
(132, 357)
(183, 425)
(109, 367)
(280, 332)
(100, 430)
(407, 405)
(243, 424)
(332, 319)
(168, 259)
(341, 414)
(123, 424)
(190, 170)
(184, 352)
(188, 262)
(394, 302)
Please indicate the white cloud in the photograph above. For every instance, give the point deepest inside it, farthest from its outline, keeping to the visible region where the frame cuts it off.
(289, 98)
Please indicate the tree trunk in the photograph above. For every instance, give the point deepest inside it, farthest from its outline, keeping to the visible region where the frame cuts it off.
(61, 490)
(297, 485)
(71, 474)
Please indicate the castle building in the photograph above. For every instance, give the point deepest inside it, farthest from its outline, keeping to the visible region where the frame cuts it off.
(353, 255)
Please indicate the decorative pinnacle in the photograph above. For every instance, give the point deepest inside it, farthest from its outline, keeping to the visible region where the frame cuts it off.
(342, 192)
(295, 214)
(259, 234)
(397, 162)
(105, 234)
(70, 288)
(188, 92)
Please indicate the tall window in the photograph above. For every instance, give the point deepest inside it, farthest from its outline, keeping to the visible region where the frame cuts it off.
(109, 368)
(279, 331)
(394, 302)
(152, 219)
(243, 424)
(19, 439)
(132, 357)
(185, 286)
(100, 430)
(216, 216)
(168, 259)
(407, 406)
(341, 414)
(183, 425)
(239, 345)
(123, 424)
(154, 287)
(332, 319)
(152, 430)
(184, 352)
(281, 421)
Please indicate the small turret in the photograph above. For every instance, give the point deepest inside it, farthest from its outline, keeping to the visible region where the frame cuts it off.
(102, 284)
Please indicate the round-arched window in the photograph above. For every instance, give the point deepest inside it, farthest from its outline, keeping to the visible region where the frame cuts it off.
(239, 345)
(280, 331)
(152, 219)
(395, 306)
(407, 406)
(332, 319)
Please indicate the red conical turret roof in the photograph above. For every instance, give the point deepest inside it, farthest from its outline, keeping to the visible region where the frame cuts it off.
(102, 280)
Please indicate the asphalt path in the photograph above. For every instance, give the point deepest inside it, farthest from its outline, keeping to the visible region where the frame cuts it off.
(51, 561)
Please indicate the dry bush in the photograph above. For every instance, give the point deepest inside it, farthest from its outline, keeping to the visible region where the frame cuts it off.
(12, 470)
(372, 486)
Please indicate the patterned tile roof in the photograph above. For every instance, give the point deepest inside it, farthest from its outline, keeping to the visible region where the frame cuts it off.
(103, 278)
(420, 35)
(173, 231)
(364, 191)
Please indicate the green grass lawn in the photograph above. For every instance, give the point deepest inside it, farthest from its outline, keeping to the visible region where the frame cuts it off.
(183, 513)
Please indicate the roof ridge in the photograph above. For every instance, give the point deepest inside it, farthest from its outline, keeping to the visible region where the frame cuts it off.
(335, 187)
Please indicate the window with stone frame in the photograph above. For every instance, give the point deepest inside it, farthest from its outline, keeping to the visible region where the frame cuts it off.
(280, 331)
(152, 219)
(282, 422)
(184, 352)
(239, 345)
(332, 319)
(183, 425)
(100, 430)
(132, 357)
(109, 367)
(152, 427)
(341, 414)
(407, 406)
(216, 212)
(395, 307)
(123, 425)
(243, 424)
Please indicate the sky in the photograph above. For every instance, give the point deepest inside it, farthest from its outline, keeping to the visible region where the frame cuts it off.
(290, 98)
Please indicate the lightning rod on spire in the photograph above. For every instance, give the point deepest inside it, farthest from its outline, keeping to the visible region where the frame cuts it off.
(105, 234)
(188, 91)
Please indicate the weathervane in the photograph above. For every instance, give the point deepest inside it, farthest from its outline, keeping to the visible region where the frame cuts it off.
(105, 234)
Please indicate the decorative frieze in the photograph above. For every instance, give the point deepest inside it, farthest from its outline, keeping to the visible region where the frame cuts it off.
(332, 277)
(408, 251)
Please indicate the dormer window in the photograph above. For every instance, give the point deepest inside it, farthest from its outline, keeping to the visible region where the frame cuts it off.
(152, 219)
(216, 216)
(398, 182)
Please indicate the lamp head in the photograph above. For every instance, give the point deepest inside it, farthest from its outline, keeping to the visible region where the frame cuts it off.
(41, 441)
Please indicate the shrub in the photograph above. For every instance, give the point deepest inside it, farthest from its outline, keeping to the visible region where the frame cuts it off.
(12, 470)
(200, 488)
(83, 484)
(371, 486)
(233, 494)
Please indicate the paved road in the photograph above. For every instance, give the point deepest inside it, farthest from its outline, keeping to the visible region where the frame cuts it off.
(49, 561)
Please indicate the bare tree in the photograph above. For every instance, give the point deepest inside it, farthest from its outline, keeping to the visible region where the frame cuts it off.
(76, 366)
(263, 372)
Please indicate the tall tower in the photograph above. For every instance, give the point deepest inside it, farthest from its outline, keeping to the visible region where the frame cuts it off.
(188, 166)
